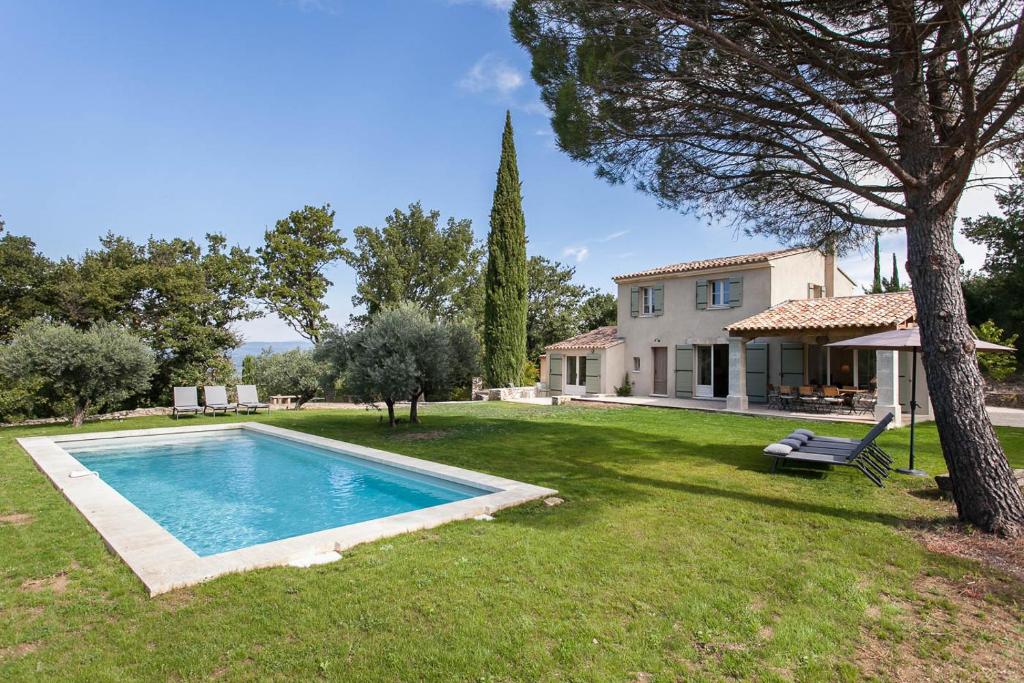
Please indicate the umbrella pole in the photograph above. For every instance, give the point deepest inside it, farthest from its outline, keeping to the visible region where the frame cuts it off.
(913, 419)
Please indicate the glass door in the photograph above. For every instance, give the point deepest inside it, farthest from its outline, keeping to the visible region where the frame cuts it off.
(705, 374)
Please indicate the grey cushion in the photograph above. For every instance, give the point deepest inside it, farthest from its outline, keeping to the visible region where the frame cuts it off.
(796, 436)
(778, 449)
(806, 432)
(795, 444)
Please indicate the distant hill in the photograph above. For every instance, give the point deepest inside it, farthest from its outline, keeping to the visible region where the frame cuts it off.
(254, 348)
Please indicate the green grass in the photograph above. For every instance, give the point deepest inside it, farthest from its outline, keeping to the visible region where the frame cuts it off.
(675, 553)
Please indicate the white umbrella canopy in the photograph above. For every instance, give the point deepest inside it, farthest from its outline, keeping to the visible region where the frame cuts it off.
(908, 339)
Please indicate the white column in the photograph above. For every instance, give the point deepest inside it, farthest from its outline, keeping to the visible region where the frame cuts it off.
(737, 399)
(888, 375)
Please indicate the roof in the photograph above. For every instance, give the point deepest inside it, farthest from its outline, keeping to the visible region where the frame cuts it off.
(601, 338)
(866, 310)
(713, 263)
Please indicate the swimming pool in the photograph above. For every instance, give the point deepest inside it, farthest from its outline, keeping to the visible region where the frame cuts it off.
(222, 492)
(185, 504)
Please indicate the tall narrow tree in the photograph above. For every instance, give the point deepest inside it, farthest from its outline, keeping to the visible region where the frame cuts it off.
(894, 282)
(876, 282)
(506, 280)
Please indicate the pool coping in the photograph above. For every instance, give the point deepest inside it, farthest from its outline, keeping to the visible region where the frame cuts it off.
(163, 563)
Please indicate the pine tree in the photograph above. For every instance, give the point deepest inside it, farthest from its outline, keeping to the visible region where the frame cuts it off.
(506, 280)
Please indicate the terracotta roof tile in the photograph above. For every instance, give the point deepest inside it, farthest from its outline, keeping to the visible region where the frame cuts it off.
(711, 263)
(601, 338)
(868, 310)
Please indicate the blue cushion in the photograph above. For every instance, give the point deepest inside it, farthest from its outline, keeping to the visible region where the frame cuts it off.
(795, 444)
(806, 432)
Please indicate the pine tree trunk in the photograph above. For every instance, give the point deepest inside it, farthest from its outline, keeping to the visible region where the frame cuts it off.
(391, 413)
(984, 488)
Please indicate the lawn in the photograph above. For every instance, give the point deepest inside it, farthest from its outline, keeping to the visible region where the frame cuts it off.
(675, 556)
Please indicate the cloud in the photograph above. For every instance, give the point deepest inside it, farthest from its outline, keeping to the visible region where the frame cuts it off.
(613, 236)
(492, 74)
(580, 254)
(324, 6)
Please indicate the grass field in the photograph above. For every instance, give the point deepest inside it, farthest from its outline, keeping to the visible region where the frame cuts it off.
(675, 556)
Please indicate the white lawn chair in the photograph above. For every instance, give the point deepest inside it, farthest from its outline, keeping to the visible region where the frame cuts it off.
(216, 399)
(249, 398)
(186, 400)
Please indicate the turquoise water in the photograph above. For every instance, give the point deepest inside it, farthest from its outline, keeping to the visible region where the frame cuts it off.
(223, 492)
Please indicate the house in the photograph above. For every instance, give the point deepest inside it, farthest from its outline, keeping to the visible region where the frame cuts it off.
(726, 328)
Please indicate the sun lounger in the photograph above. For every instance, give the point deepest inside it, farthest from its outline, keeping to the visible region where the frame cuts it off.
(864, 455)
(186, 400)
(216, 399)
(249, 398)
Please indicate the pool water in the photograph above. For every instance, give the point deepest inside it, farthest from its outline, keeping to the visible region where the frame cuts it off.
(218, 492)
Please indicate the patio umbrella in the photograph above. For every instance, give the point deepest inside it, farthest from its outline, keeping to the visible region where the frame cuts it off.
(908, 339)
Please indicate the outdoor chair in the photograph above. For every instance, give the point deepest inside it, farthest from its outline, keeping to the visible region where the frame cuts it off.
(249, 398)
(785, 397)
(216, 399)
(773, 398)
(809, 399)
(864, 403)
(831, 398)
(865, 455)
(186, 400)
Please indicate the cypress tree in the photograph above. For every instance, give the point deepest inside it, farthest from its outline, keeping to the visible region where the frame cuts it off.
(894, 283)
(506, 282)
(876, 285)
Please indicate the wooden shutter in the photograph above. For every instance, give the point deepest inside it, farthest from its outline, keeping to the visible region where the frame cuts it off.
(736, 291)
(634, 301)
(593, 374)
(757, 373)
(684, 371)
(702, 294)
(555, 373)
(792, 364)
(659, 299)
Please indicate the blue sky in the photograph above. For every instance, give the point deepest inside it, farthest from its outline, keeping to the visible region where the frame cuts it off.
(181, 118)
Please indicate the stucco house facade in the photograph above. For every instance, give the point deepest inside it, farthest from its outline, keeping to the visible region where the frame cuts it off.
(727, 328)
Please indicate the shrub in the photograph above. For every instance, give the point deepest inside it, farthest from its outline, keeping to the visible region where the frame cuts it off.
(78, 370)
(627, 387)
(531, 375)
(998, 366)
(295, 373)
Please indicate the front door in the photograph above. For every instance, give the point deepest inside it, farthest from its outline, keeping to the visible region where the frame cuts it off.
(660, 370)
(705, 372)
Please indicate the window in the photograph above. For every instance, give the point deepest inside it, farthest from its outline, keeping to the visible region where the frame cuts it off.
(570, 362)
(719, 293)
(576, 370)
(814, 291)
(647, 301)
(636, 363)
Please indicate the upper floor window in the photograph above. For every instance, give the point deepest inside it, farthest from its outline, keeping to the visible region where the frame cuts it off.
(647, 301)
(815, 291)
(720, 293)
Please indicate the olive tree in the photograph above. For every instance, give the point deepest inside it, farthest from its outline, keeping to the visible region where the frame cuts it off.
(816, 122)
(297, 372)
(81, 370)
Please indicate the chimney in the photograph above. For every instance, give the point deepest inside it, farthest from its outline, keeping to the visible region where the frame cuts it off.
(830, 273)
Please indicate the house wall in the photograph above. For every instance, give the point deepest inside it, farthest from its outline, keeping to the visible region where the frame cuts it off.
(682, 322)
(613, 368)
(792, 274)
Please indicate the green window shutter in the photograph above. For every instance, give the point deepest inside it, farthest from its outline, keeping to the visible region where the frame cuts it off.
(555, 373)
(634, 301)
(736, 291)
(593, 374)
(702, 294)
(684, 371)
(792, 364)
(659, 299)
(757, 373)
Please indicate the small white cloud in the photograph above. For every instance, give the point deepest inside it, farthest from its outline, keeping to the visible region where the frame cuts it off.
(492, 74)
(614, 236)
(578, 253)
(324, 6)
